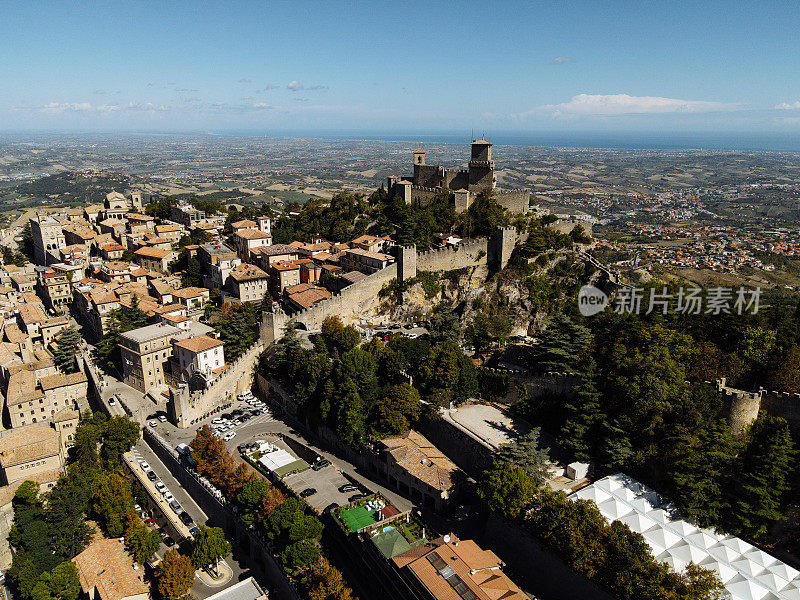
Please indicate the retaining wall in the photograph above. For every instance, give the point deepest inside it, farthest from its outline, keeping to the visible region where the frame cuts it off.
(220, 514)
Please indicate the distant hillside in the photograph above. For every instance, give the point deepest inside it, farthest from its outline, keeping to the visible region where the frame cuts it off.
(68, 187)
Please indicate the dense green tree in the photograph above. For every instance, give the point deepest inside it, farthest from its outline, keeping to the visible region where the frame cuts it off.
(445, 326)
(251, 497)
(447, 375)
(526, 453)
(119, 435)
(141, 541)
(562, 345)
(300, 554)
(763, 473)
(506, 489)
(490, 326)
(700, 471)
(483, 216)
(583, 417)
(66, 517)
(62, 583)
(399, 409)
(305, 527)
(210, 546)
(65, 355)
(113, 502)
(237, 325)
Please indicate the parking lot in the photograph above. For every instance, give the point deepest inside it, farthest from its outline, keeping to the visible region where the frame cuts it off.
(327, 482)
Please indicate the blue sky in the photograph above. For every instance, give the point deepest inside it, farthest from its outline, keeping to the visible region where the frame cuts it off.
(392, 66)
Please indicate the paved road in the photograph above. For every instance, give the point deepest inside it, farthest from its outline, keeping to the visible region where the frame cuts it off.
(199, 589)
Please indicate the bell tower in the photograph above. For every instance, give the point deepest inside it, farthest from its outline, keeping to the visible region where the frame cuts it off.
(481, 167)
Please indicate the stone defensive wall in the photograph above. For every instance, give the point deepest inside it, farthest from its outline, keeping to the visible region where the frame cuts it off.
(188, 408)
(469, 253)
(353, 301)
(742, 407)
(524, 384)
(516, 201)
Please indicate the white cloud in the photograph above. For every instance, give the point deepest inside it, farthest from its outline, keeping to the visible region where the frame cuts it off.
(245, 80)
(788, 106)
(263, 106)
(560, 60)
(59, 107)
(296, 86)
(624, 104)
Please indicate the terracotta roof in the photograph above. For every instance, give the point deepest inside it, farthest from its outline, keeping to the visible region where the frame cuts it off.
(190, 292)
(199, 343)
(421, 459)
(247, 272)
(31, 313)
(284, 265)
(305, 297)
(14, 334)
(66, 414)
(252, 234)
(366, 253)
(441, 567)
(61, 379)
(168, 228)
(105, 566)
(296, 244)
(152, 252)
(28, 443)
(244, 224)
(132, 216)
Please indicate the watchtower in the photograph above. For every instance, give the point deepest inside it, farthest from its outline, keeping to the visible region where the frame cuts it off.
(481, 166)
(406, 262)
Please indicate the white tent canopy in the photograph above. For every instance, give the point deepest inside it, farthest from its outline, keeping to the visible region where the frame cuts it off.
(746, 572)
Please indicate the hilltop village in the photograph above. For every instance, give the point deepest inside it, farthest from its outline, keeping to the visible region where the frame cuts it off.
(248, 403)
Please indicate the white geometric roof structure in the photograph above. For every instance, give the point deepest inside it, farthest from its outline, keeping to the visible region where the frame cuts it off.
(746, 572)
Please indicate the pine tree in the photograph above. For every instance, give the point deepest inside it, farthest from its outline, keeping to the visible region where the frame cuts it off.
(615, 448)
(562, 344)
(584, 416)
(526, 454)
(64, 356)
(763, 475)
(700, 470)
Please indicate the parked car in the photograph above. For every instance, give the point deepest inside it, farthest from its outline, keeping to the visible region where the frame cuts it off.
(150, 522)
(175, 506)
(355, 497)
(162, 418)
(321, 464)
(229, 436)
(144, 465)
(348, 487)
(153, 423)
(216, 421)
(195, 531)
(160, 486)
(111, 401)
(332, 506)
(168, 496)
(168, 541)
(186, 518)
(306, 493)
(151, 475)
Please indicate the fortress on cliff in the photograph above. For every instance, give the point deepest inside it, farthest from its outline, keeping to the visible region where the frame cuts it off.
(465, 185)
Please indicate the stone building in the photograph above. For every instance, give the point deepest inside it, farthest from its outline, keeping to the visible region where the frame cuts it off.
(465, 185)
(155, 259)
(56, 290)
(48, 238)
(200, 357)
(145, 355)
(249, 283)
(217, 260)
(29, 452)
(416, 468)
(106, 571)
